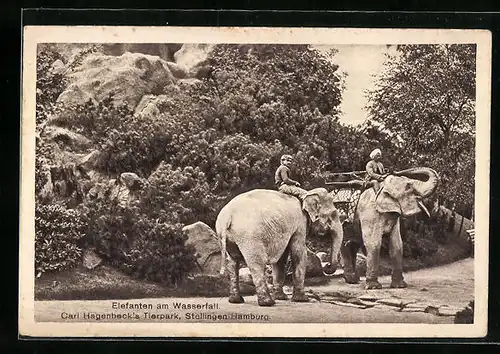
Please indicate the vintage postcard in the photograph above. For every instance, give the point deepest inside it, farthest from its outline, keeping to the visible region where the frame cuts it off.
(254, 182)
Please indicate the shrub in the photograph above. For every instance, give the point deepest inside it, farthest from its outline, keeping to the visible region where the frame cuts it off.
(159, 253)
(127, 142)
(49, 84)
(110, 230)
(418, 244)
(138, 244)
(57, 234)
(465, 316)
(421, 236)
(180, 195)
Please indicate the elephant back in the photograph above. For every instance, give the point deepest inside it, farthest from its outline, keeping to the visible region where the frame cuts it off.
(262, 203)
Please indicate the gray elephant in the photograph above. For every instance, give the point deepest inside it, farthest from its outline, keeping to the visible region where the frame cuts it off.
(377, 215)
(263, 227)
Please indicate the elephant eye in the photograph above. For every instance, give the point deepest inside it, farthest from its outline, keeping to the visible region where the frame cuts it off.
(409, 187)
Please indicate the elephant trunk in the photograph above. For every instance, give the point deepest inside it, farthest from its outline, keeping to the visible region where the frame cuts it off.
(427, 180)
(337, 235)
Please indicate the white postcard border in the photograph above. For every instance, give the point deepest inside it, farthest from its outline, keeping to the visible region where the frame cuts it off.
(332, 36)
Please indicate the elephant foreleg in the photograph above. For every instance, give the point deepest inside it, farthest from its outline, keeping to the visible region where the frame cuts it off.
(372, 262)
(299, 260)
(234, 281)
(396, 254)
(279, 277)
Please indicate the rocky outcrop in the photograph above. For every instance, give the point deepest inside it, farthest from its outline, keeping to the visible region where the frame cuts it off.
(122, 190)
(62, 185)
(90, 259)
(151, 106)
(128, 78)
(131, 72)
(71, 184)
(90, 161)
(164, 51)
(192, 58)
(66, 138)
(206, 245)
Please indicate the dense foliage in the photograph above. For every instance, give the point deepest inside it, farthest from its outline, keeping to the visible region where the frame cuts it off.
(426, 97)
(137, 243)
(219, 136)
(58, 232)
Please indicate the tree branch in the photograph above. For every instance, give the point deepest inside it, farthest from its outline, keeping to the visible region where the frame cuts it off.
(459, 112)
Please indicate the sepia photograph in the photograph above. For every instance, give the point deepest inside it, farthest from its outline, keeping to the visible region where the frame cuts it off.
(256, 182)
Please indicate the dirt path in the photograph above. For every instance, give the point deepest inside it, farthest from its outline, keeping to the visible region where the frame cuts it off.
(451, 285)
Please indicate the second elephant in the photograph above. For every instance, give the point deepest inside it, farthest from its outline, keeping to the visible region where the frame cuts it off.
(378, 215)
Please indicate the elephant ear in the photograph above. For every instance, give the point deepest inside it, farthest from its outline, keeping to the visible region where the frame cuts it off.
(311, 205)
(387, 200)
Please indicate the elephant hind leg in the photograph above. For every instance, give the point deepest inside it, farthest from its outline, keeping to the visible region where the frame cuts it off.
(279, 276)
(255, 257)
(234, 281)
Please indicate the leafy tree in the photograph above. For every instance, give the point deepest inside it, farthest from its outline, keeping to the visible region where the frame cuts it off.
(426, 98)
(269, 91)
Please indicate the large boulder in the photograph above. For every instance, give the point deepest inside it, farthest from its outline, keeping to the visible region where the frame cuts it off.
(207, 246)
(65, 137)
(90, 161)
(128, 78)
(125, 188)
(90, 259)
(131, 180)
(313, 267)
(245, 276)
(58, 67)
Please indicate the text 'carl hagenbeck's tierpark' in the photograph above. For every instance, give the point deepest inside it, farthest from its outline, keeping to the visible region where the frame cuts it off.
(147, 311)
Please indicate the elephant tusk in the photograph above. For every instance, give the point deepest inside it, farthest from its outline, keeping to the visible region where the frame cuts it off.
(422, 206)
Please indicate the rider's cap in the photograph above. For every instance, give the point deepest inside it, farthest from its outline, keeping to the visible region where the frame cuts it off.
(375, 153)
(286, 157)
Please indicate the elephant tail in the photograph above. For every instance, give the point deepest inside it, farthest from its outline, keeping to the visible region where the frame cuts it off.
(222, 236)
(223, 256)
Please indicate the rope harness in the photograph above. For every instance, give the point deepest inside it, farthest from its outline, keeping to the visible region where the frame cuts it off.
(346, 200)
